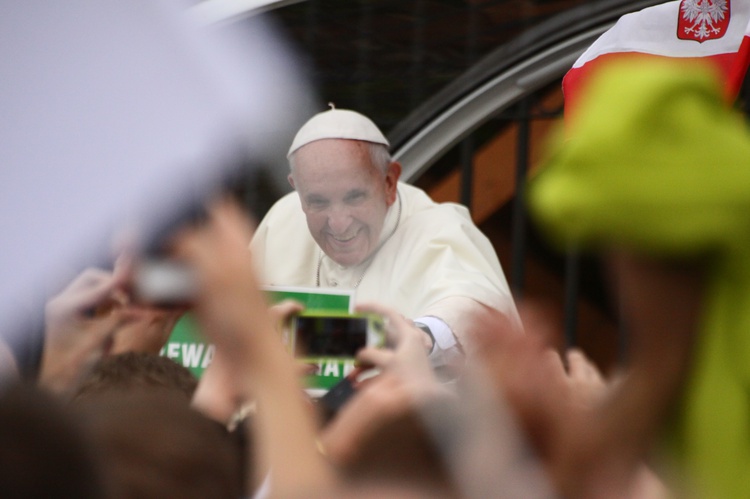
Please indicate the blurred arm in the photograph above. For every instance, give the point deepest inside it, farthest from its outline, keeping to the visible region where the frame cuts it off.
(234, 316)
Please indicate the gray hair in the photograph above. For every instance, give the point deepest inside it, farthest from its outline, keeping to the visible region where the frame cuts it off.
(379, 156)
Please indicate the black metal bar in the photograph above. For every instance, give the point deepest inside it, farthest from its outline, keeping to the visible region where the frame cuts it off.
(311, 25)
(472, 33)
(363, 55)
(467, 171)
(623, 335)
(467, 145)
(518, 271)
(572, 279)
(416, 76)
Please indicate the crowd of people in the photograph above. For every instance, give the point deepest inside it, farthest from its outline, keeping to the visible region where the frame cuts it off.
(136, 424)
(467, 398)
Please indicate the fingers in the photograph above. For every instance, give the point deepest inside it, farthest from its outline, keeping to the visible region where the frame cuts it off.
(8, 365)
(88, 278)
(377, 357)
(189, 245)
(228, 300)
(144, 329)
(123, 268)
(396, 325)
(229, 225)
(305, 368)
(552, 359)
(106, 327)
(282, 311)
(90, 288)
(541, 321)
(90, 293)
(227, 210)
(67, 355)
(580, 367)
(408, 356)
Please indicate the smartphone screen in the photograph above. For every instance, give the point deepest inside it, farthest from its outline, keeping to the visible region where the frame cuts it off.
(329, 336)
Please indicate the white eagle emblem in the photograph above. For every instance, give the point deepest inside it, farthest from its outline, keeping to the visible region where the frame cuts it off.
(703, 20)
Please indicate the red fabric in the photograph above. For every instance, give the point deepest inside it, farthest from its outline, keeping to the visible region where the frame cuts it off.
(660, 31)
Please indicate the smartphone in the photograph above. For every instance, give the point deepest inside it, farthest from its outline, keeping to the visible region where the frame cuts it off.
(316, 335)
(164, 283)
(339, 394)
(336, 397)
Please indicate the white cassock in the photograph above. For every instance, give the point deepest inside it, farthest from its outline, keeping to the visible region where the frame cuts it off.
(432, 262)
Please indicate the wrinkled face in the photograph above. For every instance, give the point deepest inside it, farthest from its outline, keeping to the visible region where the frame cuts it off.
(344, 196)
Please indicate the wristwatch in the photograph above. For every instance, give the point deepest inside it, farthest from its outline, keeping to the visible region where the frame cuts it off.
(426, 329)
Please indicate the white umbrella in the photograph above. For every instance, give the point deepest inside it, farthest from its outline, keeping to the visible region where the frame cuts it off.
(119, 112)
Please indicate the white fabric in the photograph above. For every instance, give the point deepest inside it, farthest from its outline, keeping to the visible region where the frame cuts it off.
(118, 115)
(446, 355)
(654, 31)
(337, 124)
(264, 489)
(441, 332)
(437, 263)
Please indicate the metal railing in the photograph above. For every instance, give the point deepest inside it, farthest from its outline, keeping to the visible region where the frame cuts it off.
(507, 80)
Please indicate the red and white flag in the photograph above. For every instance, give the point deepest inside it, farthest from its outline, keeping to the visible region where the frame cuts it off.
(714, 31)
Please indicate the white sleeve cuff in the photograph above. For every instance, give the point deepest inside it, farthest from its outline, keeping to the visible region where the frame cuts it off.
(444, 338)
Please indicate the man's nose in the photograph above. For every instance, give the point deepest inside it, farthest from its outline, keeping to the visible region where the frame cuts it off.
(339, 220)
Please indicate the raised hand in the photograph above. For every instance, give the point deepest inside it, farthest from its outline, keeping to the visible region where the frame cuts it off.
(79, 324)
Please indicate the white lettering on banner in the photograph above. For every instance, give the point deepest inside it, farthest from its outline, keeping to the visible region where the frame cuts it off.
(334, 367)
(173, 350)
(191, 354)
(331, 369)
(208, 357)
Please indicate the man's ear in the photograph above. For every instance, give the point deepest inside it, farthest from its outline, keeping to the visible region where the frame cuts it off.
(392, 174)
(290, 178)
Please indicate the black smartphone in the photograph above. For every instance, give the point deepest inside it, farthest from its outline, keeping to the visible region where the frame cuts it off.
(316, 335)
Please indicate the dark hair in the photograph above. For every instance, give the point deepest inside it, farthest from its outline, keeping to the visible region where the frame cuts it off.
(399, 451)
(140, 370)
(153, 444)
(43, 450)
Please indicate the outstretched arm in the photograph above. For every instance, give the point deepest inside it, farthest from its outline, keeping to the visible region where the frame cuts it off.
(234, 316)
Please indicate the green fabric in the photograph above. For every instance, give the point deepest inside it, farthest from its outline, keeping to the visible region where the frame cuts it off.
(658, 164)
(654, 161)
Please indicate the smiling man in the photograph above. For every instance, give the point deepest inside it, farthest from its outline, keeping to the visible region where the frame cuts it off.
(344, 196)
(352, 225)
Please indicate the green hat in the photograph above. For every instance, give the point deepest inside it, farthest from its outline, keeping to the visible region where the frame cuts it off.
(655, 161)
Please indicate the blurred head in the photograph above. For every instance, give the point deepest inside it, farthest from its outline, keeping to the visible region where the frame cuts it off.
(152, 444)
(44, 452)
(137, 371)
(345, 187)
(378, 437)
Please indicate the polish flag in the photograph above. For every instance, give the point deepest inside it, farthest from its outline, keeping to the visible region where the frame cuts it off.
(713, 31)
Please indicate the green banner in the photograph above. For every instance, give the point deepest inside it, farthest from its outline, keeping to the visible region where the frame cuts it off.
(187, 347)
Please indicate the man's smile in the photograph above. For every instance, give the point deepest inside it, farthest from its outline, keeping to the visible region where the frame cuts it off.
(343, 239)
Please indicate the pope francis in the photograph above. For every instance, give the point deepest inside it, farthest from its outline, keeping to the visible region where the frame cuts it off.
(352, 225)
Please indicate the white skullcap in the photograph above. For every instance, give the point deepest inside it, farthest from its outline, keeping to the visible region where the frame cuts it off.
(338, 124)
